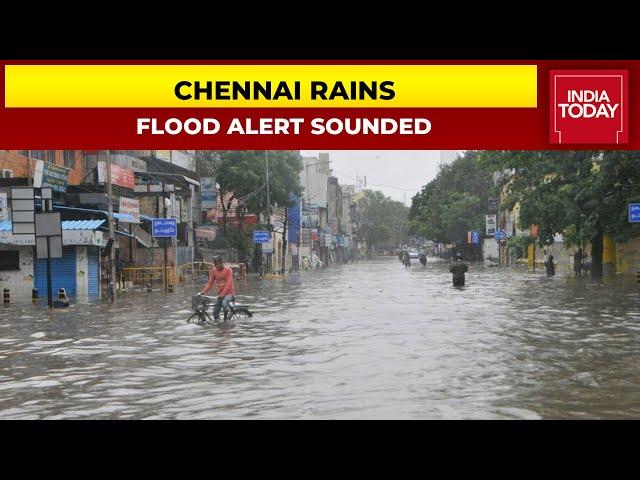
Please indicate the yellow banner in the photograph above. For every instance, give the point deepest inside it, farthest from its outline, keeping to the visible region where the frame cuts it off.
(297, 86)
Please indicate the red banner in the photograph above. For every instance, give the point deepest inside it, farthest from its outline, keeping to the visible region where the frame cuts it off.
(592, 101)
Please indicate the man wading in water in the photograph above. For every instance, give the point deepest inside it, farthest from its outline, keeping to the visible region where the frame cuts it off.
(222, 277)
(458, 268)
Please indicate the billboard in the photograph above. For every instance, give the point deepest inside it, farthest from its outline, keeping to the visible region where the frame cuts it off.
(48, 175)
(208, 192)
(309, 216)
(119, 176)
(130, 206)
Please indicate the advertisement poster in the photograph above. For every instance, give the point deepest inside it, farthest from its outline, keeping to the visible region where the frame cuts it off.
(309, 215)
(130, 206)
(51, 176)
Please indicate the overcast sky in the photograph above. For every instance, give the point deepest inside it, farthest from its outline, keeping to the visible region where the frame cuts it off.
(400, 171)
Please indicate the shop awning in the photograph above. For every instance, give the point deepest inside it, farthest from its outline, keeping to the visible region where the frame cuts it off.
(6, 226)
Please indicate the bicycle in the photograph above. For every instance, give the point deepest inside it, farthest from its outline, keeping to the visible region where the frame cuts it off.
(200, 304)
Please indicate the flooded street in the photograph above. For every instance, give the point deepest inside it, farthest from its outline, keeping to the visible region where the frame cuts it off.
(366, 340)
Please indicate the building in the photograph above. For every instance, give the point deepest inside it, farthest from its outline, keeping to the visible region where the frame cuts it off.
(314, 180)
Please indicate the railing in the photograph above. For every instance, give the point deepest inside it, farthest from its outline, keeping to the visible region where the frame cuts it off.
(197, 270)
(146, 275)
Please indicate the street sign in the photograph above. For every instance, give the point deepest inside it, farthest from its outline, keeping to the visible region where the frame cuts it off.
(491, 221)
(164, 227)
(475, 237)
(260, 236)
(634, 212)
(493, 204)
(500, 235)
(208, 193)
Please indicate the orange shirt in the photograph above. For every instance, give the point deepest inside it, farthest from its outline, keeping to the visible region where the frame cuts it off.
(223, 279)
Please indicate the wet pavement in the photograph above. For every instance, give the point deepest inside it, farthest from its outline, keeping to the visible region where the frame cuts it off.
(366, 340)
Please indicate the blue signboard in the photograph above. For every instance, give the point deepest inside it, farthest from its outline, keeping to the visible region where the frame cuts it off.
(208, 192)
(260, 236)
(500, 235)
(294, 219)
(475, 237)
(164, 227)
(634, 212)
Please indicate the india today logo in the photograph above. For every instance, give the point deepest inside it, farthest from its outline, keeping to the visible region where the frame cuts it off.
(589, 106)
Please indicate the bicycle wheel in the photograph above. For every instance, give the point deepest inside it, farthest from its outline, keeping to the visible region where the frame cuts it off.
(239, 315)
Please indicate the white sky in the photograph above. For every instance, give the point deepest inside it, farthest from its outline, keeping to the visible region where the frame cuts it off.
(406, 170)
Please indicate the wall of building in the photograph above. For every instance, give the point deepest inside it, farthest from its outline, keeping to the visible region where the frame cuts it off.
(19, 282)
(82, 272)
(22, 166)
(490, 250)
(13, 160)
(628, 257)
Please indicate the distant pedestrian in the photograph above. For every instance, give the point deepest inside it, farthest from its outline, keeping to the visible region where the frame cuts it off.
(551, 268)
(577, 263)
(423, 260)
(458, 268)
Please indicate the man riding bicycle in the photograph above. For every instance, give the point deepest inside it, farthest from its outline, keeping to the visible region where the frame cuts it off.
(222, 277)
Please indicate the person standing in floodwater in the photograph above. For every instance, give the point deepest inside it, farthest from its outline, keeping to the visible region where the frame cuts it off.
(458, 268)
(551, 268)
(577, 263)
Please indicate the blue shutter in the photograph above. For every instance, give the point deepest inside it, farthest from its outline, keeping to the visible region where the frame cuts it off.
(63, 274)
(93, 259)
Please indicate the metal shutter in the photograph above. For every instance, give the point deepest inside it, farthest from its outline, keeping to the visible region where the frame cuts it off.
(93, 259)
(63, 274)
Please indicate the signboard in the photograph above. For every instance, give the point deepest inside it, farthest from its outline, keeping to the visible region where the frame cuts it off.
(4, 207)
(119, 176)
(491, 224)
(493, 204)
(22, 211)
(500, 235)
(475, 237)
(48, 175)
(164, 228)
(163, 155)
(48, 228)
(261, 236)
(208, 192)
(309, 216)
(130, 206)
(267, 247)
(634, 212)
(205, 233)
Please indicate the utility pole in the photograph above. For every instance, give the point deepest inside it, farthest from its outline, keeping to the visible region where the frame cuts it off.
(266, 160)
(112, 237)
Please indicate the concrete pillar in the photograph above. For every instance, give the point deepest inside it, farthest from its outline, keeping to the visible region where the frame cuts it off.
(531, 251)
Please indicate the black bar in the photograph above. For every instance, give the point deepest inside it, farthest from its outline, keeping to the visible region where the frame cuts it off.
(166, 241)
(49, 295)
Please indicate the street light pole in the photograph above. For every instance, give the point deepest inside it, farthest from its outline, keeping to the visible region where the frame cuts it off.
(112, 237)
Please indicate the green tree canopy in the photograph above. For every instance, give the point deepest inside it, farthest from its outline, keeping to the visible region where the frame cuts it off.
(579, 194)
(453, 203)
(383, 220)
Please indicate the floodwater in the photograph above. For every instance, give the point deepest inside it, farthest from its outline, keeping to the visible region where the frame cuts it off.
(367, 340)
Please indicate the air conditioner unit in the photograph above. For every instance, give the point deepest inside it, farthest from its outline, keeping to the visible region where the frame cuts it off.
(6, 173)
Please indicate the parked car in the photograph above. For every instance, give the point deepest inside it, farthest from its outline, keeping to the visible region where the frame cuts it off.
(413, 253)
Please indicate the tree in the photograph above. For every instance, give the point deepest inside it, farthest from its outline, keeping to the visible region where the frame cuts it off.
(383, 219)
(242, 176)
(579, 194)
(454, 202)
